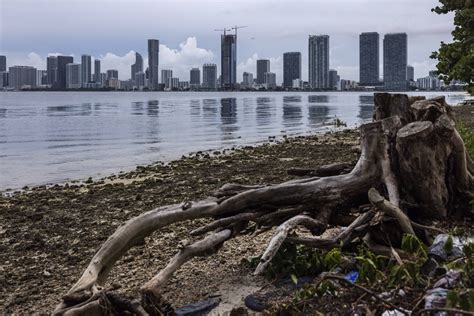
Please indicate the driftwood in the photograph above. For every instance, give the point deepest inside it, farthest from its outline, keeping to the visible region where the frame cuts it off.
(411, 153)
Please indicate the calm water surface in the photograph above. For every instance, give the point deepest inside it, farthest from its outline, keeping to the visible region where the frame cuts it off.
(48, 137)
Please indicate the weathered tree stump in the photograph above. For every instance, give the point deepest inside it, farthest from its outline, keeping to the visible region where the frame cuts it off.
(411, 153)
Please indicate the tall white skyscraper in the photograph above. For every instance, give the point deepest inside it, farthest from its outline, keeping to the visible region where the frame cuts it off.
(153, 61)
(318, 52)
(86, 69)
(73, 76)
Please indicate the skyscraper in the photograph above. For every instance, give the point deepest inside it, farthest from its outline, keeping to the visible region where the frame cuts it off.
(270, 80)
(291, 68)
(228, 61)
(395, 61)
(209, 76)
(153, 61)
(112, 74)
(318, 53)
(74, 76)
(369, 59)
(86, 69)
(140, 80)
(3, 63)
(195, 77)
(97, 71)
(333, 78)
(60, 82)
(263, 66)
(51, 68)
(410, 73)
(247, 80)
(21, 76)
(166, 74)
(41, 77)
(137, 66)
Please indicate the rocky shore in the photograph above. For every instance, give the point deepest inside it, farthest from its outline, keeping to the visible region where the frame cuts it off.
(49, 234)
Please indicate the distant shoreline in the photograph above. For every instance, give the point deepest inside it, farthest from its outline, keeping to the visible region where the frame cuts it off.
(249, 91)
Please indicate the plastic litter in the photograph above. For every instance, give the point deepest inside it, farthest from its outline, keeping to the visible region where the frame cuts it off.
(438, 248)
(393, 313)
(352, 276)
(436, 297)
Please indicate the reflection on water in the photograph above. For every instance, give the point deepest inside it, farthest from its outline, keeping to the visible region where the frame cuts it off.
(292, 112)
(70, 110)
(318, 98)
(318, 115)
(50, 137)
(265, 111)
(229, 117)
(366, 106)
(292, 99)
(152, 108)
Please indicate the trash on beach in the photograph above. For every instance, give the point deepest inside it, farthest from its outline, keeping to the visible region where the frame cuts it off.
(447, 247)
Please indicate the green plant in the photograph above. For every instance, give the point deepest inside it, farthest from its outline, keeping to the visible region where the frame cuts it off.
(337, 122)
(456, 59)
(467, 136)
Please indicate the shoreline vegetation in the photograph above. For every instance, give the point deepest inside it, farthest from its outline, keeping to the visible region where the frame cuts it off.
(49, 234)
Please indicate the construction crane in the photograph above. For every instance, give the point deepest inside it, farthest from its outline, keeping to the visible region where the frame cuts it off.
(238, 27)
(223, 30)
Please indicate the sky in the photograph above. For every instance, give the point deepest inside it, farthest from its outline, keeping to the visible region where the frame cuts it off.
(112, 30)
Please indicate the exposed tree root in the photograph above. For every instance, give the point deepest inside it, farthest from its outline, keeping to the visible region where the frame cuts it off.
(411, 153)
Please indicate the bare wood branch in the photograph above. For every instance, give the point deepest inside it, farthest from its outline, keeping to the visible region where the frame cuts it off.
(388, 208)
(224, 222)
(344, 237)
(280, 236)
(196, 249)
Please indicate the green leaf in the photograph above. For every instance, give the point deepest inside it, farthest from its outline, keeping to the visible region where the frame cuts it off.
(448, 246)
(294, 278)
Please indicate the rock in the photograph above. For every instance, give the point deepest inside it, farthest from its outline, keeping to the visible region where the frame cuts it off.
(255, 303)
(199, 308)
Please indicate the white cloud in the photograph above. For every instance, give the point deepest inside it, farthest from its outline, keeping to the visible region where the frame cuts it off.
(120, 63)
(32, 59)
(250, 65)
(181, 60)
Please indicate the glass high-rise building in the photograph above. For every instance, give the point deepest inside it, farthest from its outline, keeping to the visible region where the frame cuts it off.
(112, 74)
(74, 76)
(86, 69)
(166, 74)
(97, 71)
(291, 68)
(395, 51)
(263, 66)
(195, 77)
(333, 79)
(137, 66)
(51, 69)
(153, 62)
(228, 61)
(318, 63)
(209, 76)
(21, 76)
(3, 63)
(369, 59)
(60, 82)
(410, 73)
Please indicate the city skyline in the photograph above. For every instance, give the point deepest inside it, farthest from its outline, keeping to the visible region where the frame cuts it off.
(193, 44)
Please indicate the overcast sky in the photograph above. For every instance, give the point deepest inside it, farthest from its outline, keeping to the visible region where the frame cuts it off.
(112, 30)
